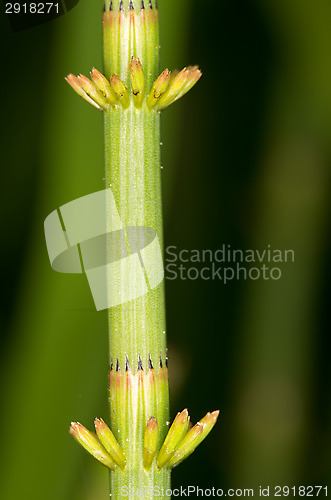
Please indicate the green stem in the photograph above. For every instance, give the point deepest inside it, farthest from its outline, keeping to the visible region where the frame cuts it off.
(132, 144)
(136, 327)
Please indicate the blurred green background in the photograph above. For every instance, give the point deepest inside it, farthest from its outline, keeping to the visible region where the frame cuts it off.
(246, 159)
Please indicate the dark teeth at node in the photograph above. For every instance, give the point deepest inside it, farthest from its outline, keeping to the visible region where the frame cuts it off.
(150, 364)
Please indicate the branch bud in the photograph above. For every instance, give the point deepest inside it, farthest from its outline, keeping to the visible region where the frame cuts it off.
(91, 443)
(92, 91)
(103, 85)
(150, 442)
(108, 440)
(179, 86)
(137, 81)
(175, 435)
(193, 438)
(121, 91)
(159, 87)
(75, 84)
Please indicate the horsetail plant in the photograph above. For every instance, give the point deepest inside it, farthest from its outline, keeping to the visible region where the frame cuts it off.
(139, 450)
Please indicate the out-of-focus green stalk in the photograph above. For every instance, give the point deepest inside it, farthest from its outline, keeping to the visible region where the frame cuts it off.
(275, 373)
(51, 374)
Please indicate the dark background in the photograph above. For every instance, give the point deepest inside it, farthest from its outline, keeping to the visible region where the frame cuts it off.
(246, 159)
